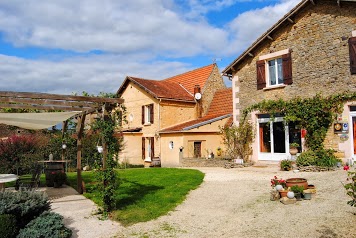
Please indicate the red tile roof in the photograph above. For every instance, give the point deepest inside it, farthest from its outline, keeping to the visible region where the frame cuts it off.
(161, 89)
(171, 88)
(222, 102)
(195, 77)
(220, 108)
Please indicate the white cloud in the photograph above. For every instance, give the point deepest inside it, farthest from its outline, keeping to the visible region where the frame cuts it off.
(92, 74)
(111, 25)
(133, 35)
(248, 26)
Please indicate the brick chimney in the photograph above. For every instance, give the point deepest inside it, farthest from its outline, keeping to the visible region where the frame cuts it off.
(199, 103)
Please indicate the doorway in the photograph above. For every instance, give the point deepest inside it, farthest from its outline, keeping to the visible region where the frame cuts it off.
(274, 138)
(197, 149)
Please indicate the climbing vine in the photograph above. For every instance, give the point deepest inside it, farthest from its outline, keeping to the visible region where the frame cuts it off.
(315, 114)
(107, 175)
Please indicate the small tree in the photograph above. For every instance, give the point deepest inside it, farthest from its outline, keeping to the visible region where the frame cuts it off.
(238, 140)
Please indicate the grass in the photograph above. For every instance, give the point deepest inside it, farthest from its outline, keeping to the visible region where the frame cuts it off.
(144, 194)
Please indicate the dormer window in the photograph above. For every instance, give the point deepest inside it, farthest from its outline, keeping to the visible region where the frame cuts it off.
(147, 114)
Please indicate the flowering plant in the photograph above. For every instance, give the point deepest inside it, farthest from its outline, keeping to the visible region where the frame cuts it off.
(275, 181)
(59, 177)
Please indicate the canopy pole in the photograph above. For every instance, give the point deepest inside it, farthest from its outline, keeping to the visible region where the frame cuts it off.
(64, 129)
(80, 128)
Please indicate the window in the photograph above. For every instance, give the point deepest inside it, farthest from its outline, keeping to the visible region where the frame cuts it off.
(352, 49)
(275, 72)
(147, 114)
(276, 68)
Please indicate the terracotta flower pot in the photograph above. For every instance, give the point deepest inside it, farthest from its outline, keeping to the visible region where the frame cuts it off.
(297, 181)
(283, 193)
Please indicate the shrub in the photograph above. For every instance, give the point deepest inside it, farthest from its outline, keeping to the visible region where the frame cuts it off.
(24, 205)
(8, 228)
(47, 225)
(351, 188)
(286, 165)
(306, 158)
(320, 157)
(326, 158)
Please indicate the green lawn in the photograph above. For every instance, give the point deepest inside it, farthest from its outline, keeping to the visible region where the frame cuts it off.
(145, 194)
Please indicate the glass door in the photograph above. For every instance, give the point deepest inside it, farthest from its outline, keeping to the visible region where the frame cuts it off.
(273, 139)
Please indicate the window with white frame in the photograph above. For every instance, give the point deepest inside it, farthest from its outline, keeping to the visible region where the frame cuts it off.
(275, 72)
(274, 69)
(147, 114)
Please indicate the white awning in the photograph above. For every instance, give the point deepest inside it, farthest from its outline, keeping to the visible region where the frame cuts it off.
(35, 121)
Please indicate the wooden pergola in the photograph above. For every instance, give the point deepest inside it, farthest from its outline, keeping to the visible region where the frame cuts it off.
(54, 102)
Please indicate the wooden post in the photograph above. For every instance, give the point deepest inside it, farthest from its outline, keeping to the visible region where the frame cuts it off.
(80, 128)
(64, 129)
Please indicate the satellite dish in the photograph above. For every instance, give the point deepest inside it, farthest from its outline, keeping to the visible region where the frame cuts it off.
(197, 96)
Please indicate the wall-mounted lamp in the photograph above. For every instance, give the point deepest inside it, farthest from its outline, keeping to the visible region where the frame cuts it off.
(64, 146)
(100, 149)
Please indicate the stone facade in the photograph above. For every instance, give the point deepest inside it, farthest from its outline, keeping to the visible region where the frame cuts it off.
(320, 57)
(213, 84)
(318, 42)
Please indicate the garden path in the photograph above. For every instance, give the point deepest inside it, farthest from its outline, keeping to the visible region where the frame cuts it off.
(231, 203)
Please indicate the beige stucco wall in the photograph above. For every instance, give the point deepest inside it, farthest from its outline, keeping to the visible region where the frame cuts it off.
(135, 98)
(320, 59)
(173, 113)
(132, 152)
(208, 135)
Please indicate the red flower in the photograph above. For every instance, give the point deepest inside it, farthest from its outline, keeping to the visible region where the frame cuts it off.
(346, 167)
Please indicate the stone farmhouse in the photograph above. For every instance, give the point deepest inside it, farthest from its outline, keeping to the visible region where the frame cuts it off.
(174, 118)
(311, 50)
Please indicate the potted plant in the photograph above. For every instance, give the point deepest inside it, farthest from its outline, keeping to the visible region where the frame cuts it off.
(298, 190)
(293, 148)
(286, 165)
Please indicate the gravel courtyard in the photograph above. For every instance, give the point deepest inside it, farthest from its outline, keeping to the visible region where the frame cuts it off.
(236, 203)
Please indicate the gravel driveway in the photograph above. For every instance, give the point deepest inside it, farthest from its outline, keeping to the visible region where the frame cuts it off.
(236, 203)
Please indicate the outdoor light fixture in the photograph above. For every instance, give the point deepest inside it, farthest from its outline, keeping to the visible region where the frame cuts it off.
(100, 149)
(64, 146)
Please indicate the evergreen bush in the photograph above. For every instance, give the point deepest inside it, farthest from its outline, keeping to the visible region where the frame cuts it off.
(24, 205)
(8, 228)
(47, 225)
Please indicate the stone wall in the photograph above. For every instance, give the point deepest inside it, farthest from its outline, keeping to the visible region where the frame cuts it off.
(214, 83)
(202, 162)
(318, 42)
(320, 57)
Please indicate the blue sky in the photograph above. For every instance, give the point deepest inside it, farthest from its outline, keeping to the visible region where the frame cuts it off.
(70, 46)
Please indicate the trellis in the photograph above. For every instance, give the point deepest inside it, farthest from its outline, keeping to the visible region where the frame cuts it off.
(54, 102)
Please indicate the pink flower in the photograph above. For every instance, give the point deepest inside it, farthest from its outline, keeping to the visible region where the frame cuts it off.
(346, 167)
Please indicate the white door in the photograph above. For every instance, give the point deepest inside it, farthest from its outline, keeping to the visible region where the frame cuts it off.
(273, 139)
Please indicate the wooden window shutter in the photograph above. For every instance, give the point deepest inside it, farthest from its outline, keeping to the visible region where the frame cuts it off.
(152, 147)
(119, 115)
(151, 113)
(143, 148)
(143, 115)
(287, 68)
(352, 49)
(261, 74)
